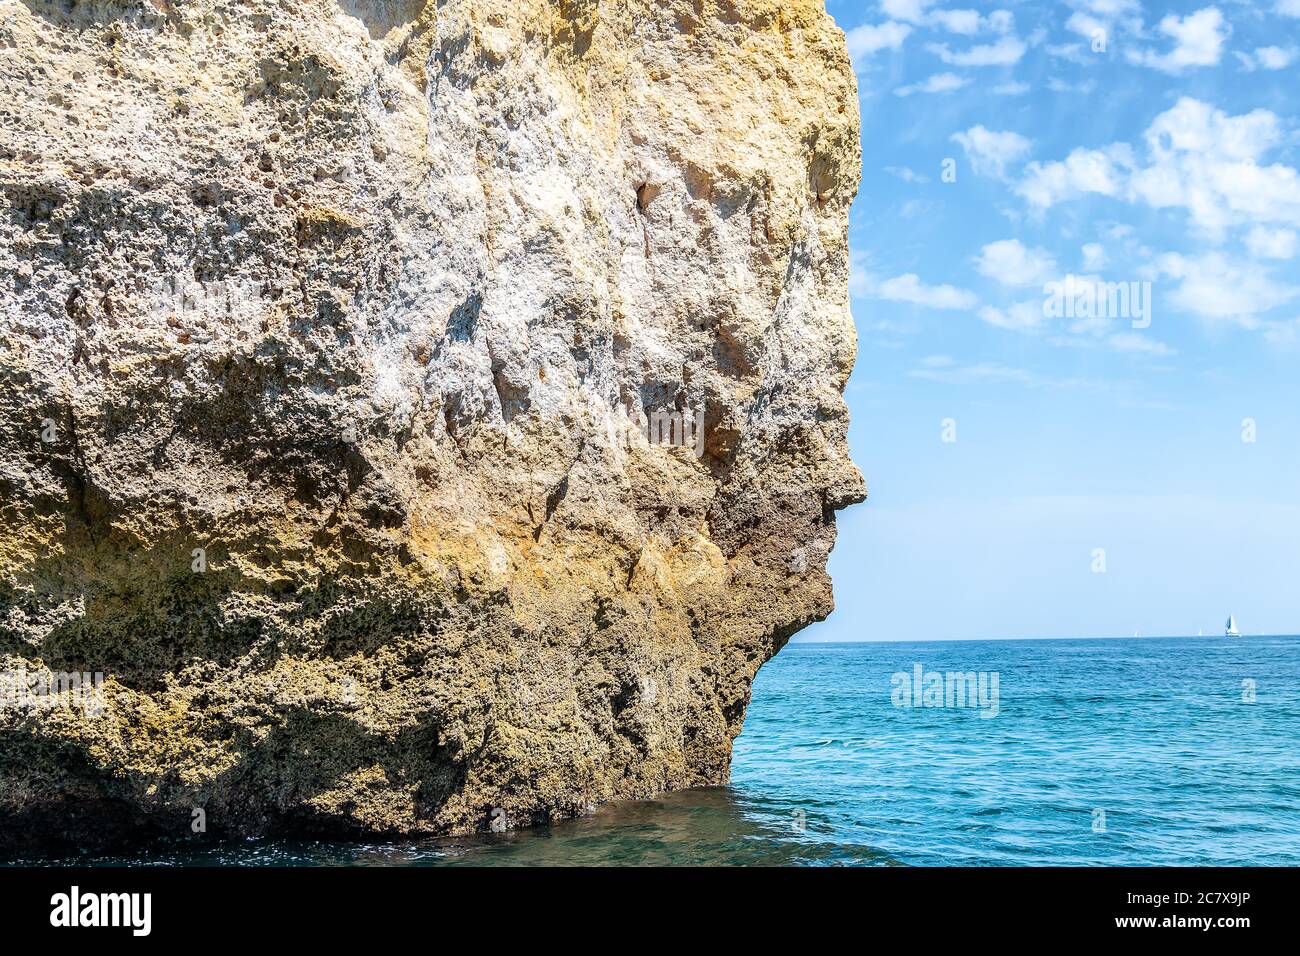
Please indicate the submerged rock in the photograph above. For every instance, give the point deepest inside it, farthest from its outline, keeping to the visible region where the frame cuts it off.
(415, 417)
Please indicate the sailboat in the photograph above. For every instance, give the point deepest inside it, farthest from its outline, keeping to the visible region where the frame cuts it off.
(1231, 629)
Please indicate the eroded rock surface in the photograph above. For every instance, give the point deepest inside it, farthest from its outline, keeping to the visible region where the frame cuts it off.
(326, 333)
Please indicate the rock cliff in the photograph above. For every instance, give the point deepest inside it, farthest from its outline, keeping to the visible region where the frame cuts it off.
(415, 417)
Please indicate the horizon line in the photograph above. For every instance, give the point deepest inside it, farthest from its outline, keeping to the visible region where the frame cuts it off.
(1112, 637)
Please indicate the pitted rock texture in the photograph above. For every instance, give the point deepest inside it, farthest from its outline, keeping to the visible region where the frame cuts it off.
(326, 330)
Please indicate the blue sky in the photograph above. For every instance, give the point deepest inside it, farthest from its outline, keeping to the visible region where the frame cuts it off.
(1114, 141)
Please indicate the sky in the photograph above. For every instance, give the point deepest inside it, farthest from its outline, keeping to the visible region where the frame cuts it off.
(1095, 459)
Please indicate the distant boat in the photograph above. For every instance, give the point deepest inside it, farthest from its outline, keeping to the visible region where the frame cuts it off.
(1231, 629)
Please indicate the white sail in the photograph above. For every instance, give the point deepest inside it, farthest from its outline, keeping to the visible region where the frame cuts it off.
(1231, 629)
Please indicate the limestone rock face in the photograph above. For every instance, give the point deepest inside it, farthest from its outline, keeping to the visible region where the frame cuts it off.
(425, 416)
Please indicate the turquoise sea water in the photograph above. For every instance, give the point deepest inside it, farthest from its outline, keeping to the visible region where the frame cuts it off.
(1119, 752)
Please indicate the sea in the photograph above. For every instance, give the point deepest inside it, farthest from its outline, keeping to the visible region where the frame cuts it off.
(1108, 752)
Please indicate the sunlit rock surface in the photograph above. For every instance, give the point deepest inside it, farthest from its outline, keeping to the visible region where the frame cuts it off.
(328, 333)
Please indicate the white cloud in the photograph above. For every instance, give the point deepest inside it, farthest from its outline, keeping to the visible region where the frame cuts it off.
(991, 373)
(1001, 21)
(909, 288)
(982, 373)
(964, 22)
(1274, 57)
(1267, 58)
(1068, 51)
(910, 10)
(1057, 85)
(1288, 8)
(869, 39)
(1088, 310)
(1021, 317)
(1091, 322)
(938, 83)
(1105, 12)
(1217, 288)
(914, 208)
(1097, 21)
(1137, 342)
(1101, 171)
(1111, 8)
(1094, 256)
(1086, 25)
(1012, 263)
(1208, 163)
(1193, 126)
(1283, 334)
(904, 288)
(907, 174)
(1004, 52)
(990, 152)
(1271, 243)
(1198, 41)
(1199, 159)
(970, 22)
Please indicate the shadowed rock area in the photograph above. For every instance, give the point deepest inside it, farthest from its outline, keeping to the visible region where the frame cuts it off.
(334, 341)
